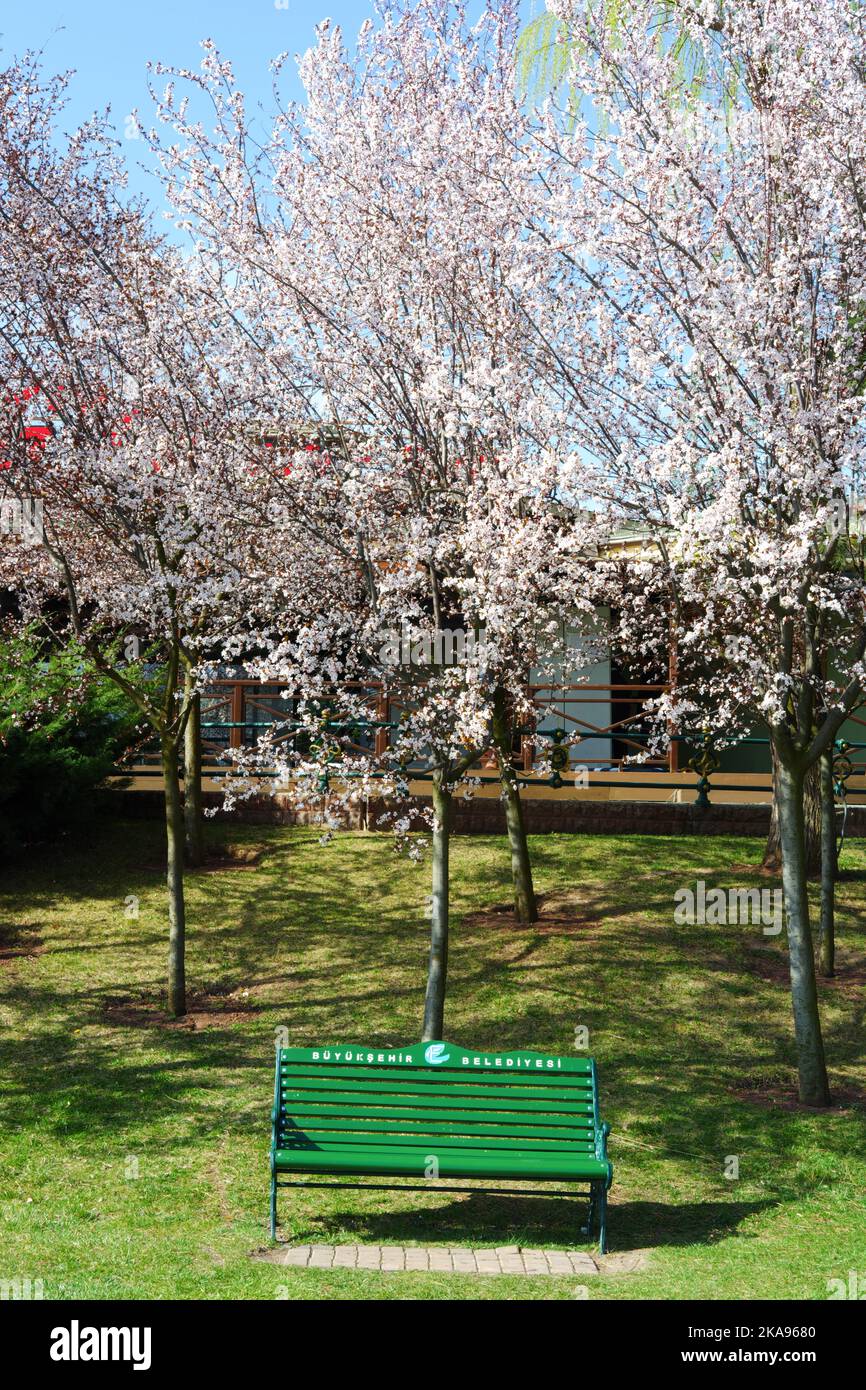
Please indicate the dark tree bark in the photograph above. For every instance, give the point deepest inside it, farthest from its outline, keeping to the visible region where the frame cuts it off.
(192, 802)
(829, 867)
(814, 1086)
(772, 859)
(437, 973)
(174, 829)
(525, 906)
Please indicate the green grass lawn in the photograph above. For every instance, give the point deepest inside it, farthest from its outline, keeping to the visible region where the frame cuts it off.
(133, 1156)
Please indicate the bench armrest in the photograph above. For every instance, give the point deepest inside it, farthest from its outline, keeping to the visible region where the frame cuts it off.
(601, 1149)
(275, 1112)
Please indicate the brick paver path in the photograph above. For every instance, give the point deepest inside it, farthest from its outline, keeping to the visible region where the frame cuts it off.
(506, 1259)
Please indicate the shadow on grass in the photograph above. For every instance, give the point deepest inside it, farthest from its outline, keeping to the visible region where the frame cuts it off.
(677, 1022)
(496, 1219)
(91, 1088)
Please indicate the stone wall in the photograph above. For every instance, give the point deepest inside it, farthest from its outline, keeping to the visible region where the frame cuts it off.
(485, 816)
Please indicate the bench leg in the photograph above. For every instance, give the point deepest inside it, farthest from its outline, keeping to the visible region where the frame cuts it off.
(273, 1205)
(600, 1206)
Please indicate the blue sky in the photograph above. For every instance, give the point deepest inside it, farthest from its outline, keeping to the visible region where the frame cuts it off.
(108, 43)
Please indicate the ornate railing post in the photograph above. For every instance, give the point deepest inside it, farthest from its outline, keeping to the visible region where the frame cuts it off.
(558, 759)
(842, 770)
(323, 745)
(704, 763)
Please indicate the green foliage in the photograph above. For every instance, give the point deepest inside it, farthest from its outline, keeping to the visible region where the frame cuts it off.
(62, 729)
(543, 56)
(545, 48)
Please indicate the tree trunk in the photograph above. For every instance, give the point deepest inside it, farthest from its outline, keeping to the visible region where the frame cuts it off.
(192, 806)
(827, 935)
(434, 1003)
(814, 1086)
(812, 822)
(174, 877)
(525, 906)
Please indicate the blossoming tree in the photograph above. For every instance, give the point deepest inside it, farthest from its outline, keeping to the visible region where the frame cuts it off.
(103, 334)
(378, 240)
(722, 244)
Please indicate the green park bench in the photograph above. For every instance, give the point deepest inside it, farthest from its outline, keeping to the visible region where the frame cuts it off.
(434, 1110)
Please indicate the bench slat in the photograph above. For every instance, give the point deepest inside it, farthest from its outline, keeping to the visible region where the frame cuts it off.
(302, 1138)
(502, 1097)
(487, 1119)
(434, 1057)
(415, 1162)
(338, 1124)
(436, 1076)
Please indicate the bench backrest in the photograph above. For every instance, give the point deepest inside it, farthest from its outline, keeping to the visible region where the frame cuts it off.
(526, 1102)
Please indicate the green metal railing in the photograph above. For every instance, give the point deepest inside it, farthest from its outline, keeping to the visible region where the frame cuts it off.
(705, 748)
